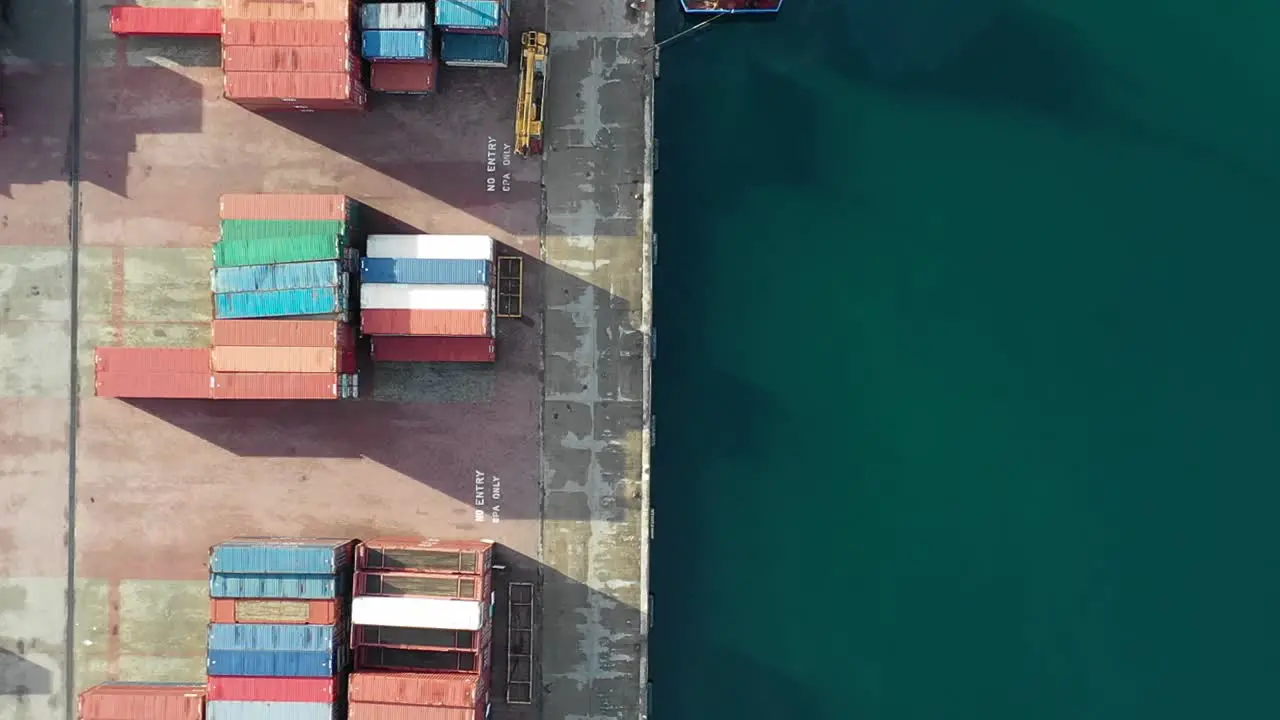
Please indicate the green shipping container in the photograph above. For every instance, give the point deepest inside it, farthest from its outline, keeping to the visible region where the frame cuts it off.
(235, 230)
(268, 251)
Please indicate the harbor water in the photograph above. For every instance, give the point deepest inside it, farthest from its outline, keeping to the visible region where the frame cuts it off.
(967, 390)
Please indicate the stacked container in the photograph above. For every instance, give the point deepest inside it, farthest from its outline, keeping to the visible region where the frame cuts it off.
(291, 56)
(422, 627)
(278, 643)
(281, 287)
(153, 372)
(429, 298)
(474, 32)
(398, 41)
(152, 701)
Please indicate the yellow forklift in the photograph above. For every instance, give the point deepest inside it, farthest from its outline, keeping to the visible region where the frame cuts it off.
(533, 83)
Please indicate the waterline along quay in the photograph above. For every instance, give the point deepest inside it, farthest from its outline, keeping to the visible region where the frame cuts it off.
(297, 299)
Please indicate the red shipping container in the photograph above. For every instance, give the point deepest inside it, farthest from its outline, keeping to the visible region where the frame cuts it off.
(276, 10)
(422, 638)
(165, 21)
(404, 77)
(382, 711)
(247, 58)
(152, 360)
(276, 386)
(135, 701)
(299, 86)
(238, 358)
(476, 323)
(273, 689)
(281, 333)
(434, 689)
(286, 32)
(358, 103)
(163, 385)
(434, 349)
(423, 584)
(283, 612)
(429, 555)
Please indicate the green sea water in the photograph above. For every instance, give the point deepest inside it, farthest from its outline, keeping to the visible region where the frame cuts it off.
(968, 378)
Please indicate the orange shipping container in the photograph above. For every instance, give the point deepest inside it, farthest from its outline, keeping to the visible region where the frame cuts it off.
(434, 689)
(432, 555)
(423, 583)
(277, 386)
(247, 58)
(300, 86)
(166, 385)
(282, 359)
(135, 701)
(426, 322)
(276, 10)
(284, 612)
(380, 711)
(152, 360)
(286, 32)
(280, 333)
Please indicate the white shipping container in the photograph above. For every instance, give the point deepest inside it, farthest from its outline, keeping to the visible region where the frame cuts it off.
(394, 16)
(397, 296)
(420, 612)
(432, 247)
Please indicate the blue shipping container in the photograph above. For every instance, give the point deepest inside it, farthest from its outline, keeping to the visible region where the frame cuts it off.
(397, 45)
(272, 637)
(260, 663)
(424, 272)
(279, 303)
(276, 587)
(479, 50)
(298, 556)
(469, 14)
(286, 276)
(242, 710)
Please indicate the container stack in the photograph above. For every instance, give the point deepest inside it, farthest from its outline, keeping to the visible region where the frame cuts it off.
(282, 285)
(278, 645)
(397, 40)
(152, 701)
(422, 616)
(153, 372)
(473, 33)
(291, 56)
(429, 298)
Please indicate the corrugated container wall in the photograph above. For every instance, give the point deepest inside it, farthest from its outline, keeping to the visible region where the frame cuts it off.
(234, 253)
(236, 710)
(172, 386)
(289, 276)
(373, 711)
(475, 50)
(283, 360)
(424, 584)
(371, 657)
(425, 272)
(283, 386)
(477, 323)
(394, 16)
(281, 303)
(408, 78)
(259, 663)
(283, 333)
(397, 44)
(384, 296)
(125, 701)
(289, 33)
(284, 206)
(432, 247)
(469, 14)
(305, 612)
(422, 638)
(275, 10)
(299, 556)
(245, 58)
(290, 85)
(262, 586)
(272, 637)
(434, 349)
(417, 689)
(414, 612)
(265, 229)
(273, 689)
(152, 360)
(166, 21)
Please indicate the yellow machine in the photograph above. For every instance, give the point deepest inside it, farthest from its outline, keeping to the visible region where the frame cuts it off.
(533, 83)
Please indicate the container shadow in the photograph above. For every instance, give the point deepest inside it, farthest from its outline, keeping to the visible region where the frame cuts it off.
(19, 676)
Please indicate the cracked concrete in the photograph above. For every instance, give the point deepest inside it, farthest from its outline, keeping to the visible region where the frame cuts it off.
(595, 417)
